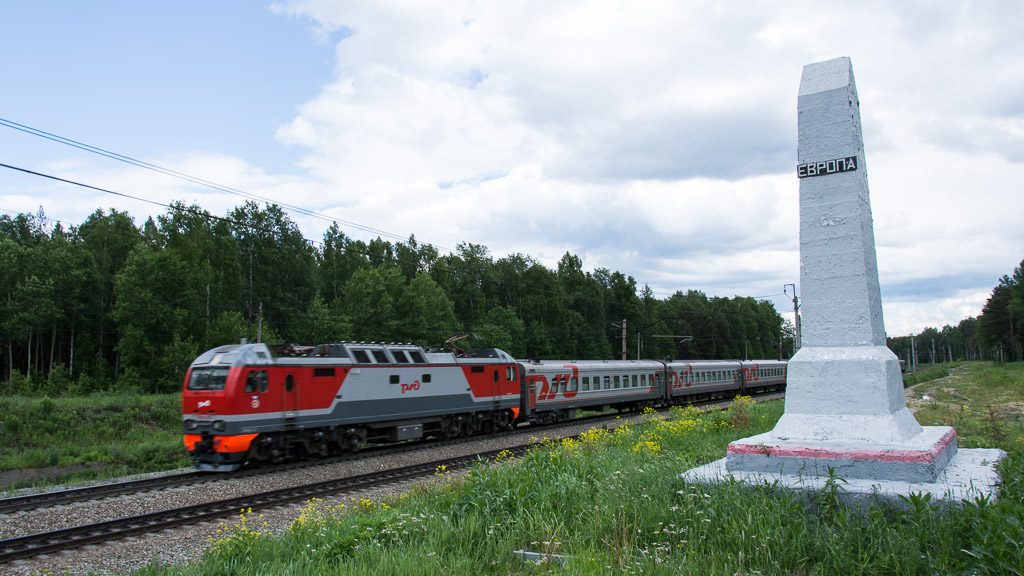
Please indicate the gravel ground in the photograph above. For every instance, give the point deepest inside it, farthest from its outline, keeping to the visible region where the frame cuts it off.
(188, 543)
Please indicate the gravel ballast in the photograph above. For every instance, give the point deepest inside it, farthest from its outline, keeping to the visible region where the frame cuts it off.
(187, 543)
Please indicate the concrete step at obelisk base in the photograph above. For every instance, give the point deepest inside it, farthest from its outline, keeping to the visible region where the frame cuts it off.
(846, 416)
(969, 475)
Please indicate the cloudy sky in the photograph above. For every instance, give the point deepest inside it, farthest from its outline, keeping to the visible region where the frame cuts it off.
(653, 138)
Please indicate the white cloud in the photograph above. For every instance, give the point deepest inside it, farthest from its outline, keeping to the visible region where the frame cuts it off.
(659, 139)
(904, 317)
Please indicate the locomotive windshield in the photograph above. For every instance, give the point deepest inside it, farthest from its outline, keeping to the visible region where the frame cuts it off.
(213, 378)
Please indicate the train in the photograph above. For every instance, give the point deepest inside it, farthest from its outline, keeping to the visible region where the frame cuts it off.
(246, 403)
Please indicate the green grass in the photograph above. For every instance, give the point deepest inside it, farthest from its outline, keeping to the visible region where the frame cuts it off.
(45, 440)
(984, 401)
(927, 374)
(614, 503)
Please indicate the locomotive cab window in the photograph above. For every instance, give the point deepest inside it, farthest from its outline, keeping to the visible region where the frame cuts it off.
(510, 374)
(214, 378)
(256, 381)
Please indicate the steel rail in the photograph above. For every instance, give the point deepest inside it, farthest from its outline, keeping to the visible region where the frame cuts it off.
(69, 495)
(87, 493)
(100, 532)
(83, 494)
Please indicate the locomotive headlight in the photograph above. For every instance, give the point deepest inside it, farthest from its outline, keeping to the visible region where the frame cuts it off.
(191, 424)
(218, 425)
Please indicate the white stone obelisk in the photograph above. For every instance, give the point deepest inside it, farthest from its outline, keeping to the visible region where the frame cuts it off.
(845, 406)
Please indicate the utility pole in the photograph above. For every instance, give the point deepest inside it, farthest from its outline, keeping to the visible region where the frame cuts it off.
(624, 335)
(624, 339)
(913, 354)
(796, 316)
(259, 324)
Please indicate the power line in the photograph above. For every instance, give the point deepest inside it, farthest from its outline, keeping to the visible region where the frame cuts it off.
(204, 214)
(200, 181)
(179, 208)
(196, 180)
(210, 184)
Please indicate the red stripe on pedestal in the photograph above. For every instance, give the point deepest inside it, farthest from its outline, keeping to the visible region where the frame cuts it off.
(905, 456)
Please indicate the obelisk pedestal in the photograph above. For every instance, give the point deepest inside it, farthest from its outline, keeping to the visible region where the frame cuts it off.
(845, 406)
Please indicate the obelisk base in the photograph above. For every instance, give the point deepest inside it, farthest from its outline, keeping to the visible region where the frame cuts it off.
(969, 475)
(920, 459)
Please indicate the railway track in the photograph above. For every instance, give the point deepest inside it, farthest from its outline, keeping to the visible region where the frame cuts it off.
(47, 542)
(69, 538)
(71, 495)
(67, 496)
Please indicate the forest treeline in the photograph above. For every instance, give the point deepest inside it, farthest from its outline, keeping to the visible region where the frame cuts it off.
(112, 305)
(996, 334)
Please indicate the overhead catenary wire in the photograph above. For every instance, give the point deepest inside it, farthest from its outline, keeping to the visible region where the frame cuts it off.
(201, 214)
(24, 128)
(200, 181)
(203, 182)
